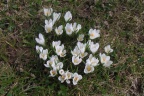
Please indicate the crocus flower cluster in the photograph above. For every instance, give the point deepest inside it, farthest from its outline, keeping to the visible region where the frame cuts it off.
(83, 53)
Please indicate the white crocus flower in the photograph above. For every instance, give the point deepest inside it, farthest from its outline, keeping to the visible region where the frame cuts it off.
(68, 16)
(108, 49)
(94, 33)
(56, 43)
(39, 49)
(108, 64)
(49, 63)
(88, 69)
(76, 78)
(68, 81)
(56, 17)
(76, 51)
(93, 47)
(63, 54)
(52, 62)
(81, 47)
(80, 37)
(43, 54)
(76, 27)
(62, 78)
(48, 25)
(40, 39)
(76, 60)
(69, 75)
(105, 60)
(61, 72)
(48, 11)
(60, 51)
(53, 73)
(69, 29)
(59, 30)
(58, 66)
(92, 61)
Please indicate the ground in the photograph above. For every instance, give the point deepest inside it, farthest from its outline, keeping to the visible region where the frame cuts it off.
(121, 24)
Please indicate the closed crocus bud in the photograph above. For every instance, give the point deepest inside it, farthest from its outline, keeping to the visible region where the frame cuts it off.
(56, 17)
(76, 27)
(43, 54)
(81, 46)
(80, 37)
(56, 43)
(68, 16)
(108, 49)
(48, 11)
(39, 49)
(48, 25)
(59, 30)
(69, 29)
(40, 39)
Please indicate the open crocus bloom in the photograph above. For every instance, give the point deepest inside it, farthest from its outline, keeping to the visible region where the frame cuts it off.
(63, 54)
(76, 78)
(69, 75)
(69, 29)
(59, 30)
(56, 43)
(105, 60)
(92, 61)
(53, 73)
(88, 69)
(81, 47)
(80, 37)
(52, 62)
(40, 39)
(93, 47)
(62, 78)
(43, 54)
(48, 25)
(94, 33)
(108, 49)
(48, 11)
(49, 63)
(68, 16)
(76, 51)
(56, 17)
(76, 60)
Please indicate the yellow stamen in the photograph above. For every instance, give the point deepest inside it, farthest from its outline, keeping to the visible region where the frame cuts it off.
(88, 68)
